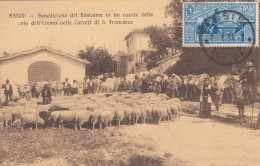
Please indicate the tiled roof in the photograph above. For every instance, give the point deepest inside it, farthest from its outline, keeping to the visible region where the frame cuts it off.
(135, 31)
(43, 48)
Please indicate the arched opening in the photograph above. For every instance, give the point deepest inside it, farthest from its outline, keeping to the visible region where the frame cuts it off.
(43, 71)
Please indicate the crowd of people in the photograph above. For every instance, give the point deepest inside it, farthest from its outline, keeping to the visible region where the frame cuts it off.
(153, 84)
(200, 88)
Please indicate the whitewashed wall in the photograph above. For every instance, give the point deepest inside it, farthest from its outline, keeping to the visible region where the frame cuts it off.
(140, 42)
(17, 69)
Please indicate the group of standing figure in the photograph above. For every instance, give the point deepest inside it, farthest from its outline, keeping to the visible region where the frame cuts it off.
(243, 91)
(153, 84)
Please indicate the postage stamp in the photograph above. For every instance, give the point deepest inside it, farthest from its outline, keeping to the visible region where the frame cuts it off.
(220, 24)
(227, 55)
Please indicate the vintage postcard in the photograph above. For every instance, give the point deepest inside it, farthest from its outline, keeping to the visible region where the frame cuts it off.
(129, 82)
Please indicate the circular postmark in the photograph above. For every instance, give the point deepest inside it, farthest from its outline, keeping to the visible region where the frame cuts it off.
(227, 27)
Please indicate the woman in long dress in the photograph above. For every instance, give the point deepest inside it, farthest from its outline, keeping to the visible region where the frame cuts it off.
(205, 99)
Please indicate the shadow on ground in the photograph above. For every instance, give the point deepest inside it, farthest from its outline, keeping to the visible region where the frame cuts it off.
(139, 160)
(228, 119)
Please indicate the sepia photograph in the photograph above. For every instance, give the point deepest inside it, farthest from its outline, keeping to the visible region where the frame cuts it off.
(129, 83)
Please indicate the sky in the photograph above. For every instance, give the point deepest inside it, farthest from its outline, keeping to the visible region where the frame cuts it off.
(16, 38)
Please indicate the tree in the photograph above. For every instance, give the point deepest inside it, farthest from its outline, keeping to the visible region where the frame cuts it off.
(160, 39)
(194, 61)
(174, 10)
(161, 42)
(100, 59)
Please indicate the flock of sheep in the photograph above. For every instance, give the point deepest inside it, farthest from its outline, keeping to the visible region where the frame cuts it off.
(95, 110)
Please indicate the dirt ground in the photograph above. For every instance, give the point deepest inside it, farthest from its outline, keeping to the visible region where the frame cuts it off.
(187, 141)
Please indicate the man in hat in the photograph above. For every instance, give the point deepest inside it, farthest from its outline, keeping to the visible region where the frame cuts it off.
(249, 79)
(35, 90)
(75, 88)
(123, 86)
(85, 86)
(157, 84)
(8, 91)
(137, 84)
(91, 85)
(66, 87)
(164, 83)
(215, 92)
(173, 86)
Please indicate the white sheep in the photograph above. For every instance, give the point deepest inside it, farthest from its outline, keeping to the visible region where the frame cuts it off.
(143, 114)
(82, 117)
(7, 119)
(168, 108)
(149, 111)
(63, 116)
(91, 106)
(95, 117)
(130, 102)
(17, 123)
(30, 111)
(119, 114)
(136, 114)
(55, 115)
(106, 87)
(22, 102)
(31, 119)
(12, 104)
(162, 114)
(106, 117)
(173, 100)
(159, 113)
(179, 108)
(6, 110)
(18, 112)
(128, 114)
(175, 109)
(163, 96)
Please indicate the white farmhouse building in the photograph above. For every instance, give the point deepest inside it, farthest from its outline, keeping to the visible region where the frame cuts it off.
(41, 64)
(137, 43)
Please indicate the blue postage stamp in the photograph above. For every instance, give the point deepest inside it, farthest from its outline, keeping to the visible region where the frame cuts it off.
(220, 24)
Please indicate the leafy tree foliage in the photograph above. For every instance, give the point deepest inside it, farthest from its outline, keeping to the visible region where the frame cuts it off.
(161, 42)
(174, 10)
(194, 61)
(100, 59)
(160, 39)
